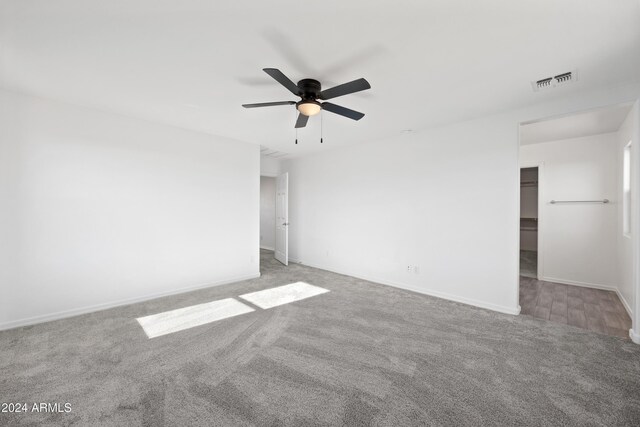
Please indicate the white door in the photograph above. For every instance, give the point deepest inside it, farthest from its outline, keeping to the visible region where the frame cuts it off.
(282, 218)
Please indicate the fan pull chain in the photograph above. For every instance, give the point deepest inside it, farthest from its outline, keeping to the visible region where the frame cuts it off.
(296, 130)
(321, 125)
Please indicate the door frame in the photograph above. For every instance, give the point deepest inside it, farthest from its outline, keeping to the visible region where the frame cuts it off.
(634, 332)
(266, 175)
(540, 261)
(282, 256)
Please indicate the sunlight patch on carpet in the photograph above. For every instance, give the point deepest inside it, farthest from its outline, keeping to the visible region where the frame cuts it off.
(283, 294)
(189, 317)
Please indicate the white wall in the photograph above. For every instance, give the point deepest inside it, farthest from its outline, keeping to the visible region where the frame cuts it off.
(99, 209)
(578, 241)
(267, 212)
(444, 199)
(635, 223)
(270, 166)
(625, 249)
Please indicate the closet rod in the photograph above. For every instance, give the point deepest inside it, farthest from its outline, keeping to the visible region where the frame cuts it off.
(553, 202)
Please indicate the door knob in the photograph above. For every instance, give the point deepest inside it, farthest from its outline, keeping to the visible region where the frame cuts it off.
(285, 223)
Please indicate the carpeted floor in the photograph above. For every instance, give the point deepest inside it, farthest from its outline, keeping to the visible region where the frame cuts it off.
(362, 354)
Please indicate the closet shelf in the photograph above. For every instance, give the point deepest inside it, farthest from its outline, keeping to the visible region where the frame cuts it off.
(528, 183)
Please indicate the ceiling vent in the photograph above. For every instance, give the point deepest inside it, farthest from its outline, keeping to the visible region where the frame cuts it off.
(268, 152)
(555, 81)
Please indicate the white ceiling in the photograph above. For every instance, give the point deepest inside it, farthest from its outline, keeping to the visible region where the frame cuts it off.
(192, 63)
(594, 122)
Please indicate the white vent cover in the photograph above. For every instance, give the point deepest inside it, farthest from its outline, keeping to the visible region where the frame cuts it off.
(268, 152)
(555, 81)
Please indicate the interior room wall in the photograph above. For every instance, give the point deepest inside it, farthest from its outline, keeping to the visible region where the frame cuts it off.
(98, 209)
(625, 246)
(435, 211)
(580, 240)
(270, 166)
(635, 224)
(267, 212)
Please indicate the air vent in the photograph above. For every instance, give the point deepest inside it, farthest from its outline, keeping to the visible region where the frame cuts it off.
(563, 78)
(555, 81)
(268, 152)
(544, 83)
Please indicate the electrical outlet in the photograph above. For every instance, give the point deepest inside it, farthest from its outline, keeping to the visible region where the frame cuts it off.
(409, 268)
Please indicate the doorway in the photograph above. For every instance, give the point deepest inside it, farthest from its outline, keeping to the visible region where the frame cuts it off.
(574, 251)
(267, 213)
(529, 183)
(274, 218)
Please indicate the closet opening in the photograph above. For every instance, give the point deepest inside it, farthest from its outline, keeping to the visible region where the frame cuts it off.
(529, 222)
(576, 262)
(267, 217)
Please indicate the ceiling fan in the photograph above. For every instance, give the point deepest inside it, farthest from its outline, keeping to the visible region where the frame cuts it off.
(310, 91)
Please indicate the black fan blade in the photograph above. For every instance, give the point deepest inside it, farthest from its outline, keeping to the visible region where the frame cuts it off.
(345, 89)
(268, 104)
(302, 120)
(283, 80)
(346, 112)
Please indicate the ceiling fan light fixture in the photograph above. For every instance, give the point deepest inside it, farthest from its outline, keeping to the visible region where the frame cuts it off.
(310, 90)
(309, 108)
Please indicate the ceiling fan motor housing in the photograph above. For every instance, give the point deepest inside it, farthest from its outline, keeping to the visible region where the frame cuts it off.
(309, 89)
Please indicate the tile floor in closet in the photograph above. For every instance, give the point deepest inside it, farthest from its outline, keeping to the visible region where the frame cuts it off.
(593, 309)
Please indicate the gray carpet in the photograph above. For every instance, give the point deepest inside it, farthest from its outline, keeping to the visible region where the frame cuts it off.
(362, 354)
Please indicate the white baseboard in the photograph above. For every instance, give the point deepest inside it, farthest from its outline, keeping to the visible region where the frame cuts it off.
(99, 307)
(634, 336)
(578, 283)
(443, 295)
(267, 248)
(625, 304)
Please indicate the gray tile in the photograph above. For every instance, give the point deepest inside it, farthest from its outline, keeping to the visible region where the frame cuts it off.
(573, 291)
(528, 290)
(592, 310)
(575, 302)
(605, 295)
(596, 325)
(626, 321)
(608, 305)
(612, 320)
(545, 300)
(527, 309)
(622, 333)
(542, 312)
(590, 297)
(525, 281)
(557, 318)
(546, 287)
(560, 288)
(574, 305)
(559, 308)
(576, 318)
(619, 306)
(536, 284)
(559, 296)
